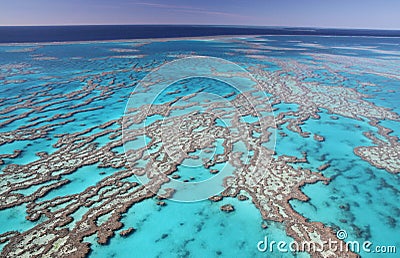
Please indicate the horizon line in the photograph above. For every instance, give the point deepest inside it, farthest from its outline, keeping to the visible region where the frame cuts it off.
(202, 25)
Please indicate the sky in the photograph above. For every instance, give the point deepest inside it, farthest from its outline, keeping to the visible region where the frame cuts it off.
(377, 14)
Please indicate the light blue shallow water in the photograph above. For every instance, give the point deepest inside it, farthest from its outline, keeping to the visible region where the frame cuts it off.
(192, 230)
(371, 194)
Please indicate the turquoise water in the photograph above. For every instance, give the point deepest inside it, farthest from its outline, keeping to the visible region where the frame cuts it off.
(195, 230)
(369, 193)
(80, 180)
(15, 218)
(361, 199)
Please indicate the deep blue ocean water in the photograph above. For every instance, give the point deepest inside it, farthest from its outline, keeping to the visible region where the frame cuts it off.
(14, 34)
